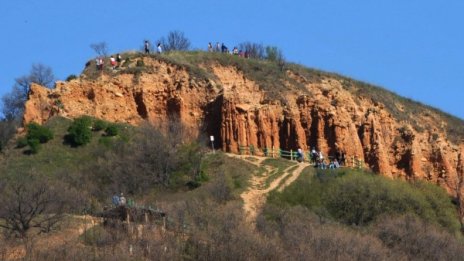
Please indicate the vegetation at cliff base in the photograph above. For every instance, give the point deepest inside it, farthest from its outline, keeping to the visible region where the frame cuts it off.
(359, 198)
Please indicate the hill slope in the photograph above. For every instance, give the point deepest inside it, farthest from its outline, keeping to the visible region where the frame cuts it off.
(245, 102)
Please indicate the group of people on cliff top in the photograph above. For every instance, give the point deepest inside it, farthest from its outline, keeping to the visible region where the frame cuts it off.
(146, 46)
(319, 161)
(115, 61)
(222, 48)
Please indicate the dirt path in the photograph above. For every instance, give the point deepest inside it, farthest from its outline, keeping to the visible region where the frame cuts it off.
(293, 176)
(255, 197)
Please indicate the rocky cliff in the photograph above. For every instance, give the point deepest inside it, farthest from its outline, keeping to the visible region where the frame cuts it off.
(245, 102)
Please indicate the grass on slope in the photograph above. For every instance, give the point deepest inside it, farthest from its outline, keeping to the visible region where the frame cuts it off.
(56, 156)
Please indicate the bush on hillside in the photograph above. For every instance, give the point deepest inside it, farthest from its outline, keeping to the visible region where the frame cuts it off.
(416, 239)
(99, 125)
(112, 130)
(34, 145)
(80, 133)
(35, 135)
(357, 198)
(38, 132)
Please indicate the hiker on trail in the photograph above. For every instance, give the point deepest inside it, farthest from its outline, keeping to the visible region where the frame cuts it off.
(331, 165)
(122, 200)
(314, 156)
(321, 160)
(118, 59)
(218, 47)
(223, 48)
(299, 155)
(336, 164)
(210, 47)
(115, 200)
(113, 62)
(147, 47)
(321, 164)
(160, 49)
(235, 51)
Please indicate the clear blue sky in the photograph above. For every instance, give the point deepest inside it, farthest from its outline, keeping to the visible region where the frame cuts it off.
(414, 48)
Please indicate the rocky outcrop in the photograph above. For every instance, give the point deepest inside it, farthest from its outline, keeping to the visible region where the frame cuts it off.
(238, 112)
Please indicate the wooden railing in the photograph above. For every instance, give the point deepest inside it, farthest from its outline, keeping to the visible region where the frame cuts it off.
(353, 162)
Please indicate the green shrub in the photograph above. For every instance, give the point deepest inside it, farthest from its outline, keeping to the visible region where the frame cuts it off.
(112, 130)
(357, 198)
(21, 142)
(99, 125)
(34, 145)
(38, 132)
(80, 133)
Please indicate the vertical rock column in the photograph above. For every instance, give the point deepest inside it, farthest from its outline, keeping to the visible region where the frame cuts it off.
(460, 187)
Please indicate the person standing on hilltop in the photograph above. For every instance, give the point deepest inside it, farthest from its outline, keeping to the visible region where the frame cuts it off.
(100, 63)
(113, 62)
(147, 47)
(218, 47)
(210, 47)
(118, 60)
(160, 48)
(122, 200)
(97, 63)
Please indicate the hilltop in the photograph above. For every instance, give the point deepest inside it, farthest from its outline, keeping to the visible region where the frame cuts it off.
(249, 103)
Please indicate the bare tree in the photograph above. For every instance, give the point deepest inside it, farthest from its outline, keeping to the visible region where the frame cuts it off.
(175, 41)
(30, 203)
(42, 74)
(274, 54)
(100, 48)
(13, 102)
(254, 50)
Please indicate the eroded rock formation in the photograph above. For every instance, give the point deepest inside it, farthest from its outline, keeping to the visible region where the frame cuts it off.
(238, 112)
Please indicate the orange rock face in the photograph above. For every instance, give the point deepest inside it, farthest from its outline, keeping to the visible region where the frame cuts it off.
(237, 112)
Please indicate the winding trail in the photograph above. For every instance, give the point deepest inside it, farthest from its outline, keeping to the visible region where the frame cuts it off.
(255, 197)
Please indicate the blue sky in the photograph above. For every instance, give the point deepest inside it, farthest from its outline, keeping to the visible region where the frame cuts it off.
(414, 48)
